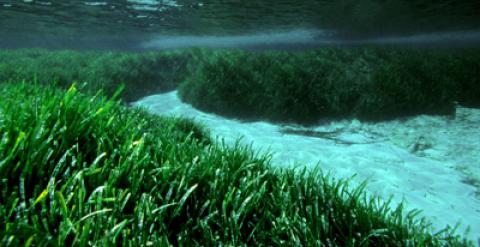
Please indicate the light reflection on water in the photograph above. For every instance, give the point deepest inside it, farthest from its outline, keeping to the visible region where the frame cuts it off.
(301, 39)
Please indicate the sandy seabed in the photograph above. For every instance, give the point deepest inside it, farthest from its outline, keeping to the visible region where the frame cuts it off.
(432, 163)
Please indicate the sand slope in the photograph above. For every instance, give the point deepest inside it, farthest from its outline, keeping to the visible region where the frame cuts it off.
(430, 162)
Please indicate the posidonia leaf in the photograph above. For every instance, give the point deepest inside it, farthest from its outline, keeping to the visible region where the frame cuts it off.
(20, 137)
(118, 228)
(106, 210)
(29, 241)
(99, 158)
(184, 198)
(63, 205)
(41, 196)
(163, 207)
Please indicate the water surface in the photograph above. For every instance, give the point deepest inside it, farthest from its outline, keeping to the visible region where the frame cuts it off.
(126, 23)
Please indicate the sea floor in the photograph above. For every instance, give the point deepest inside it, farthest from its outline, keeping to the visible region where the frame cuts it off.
(432, 163)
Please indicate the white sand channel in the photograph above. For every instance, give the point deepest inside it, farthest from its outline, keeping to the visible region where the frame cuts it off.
(430, 162)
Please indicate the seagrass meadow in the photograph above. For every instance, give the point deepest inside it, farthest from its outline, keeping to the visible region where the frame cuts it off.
(369, 83)
(79, 167)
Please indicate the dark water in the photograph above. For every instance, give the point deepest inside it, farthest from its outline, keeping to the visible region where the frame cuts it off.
(123, 24)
